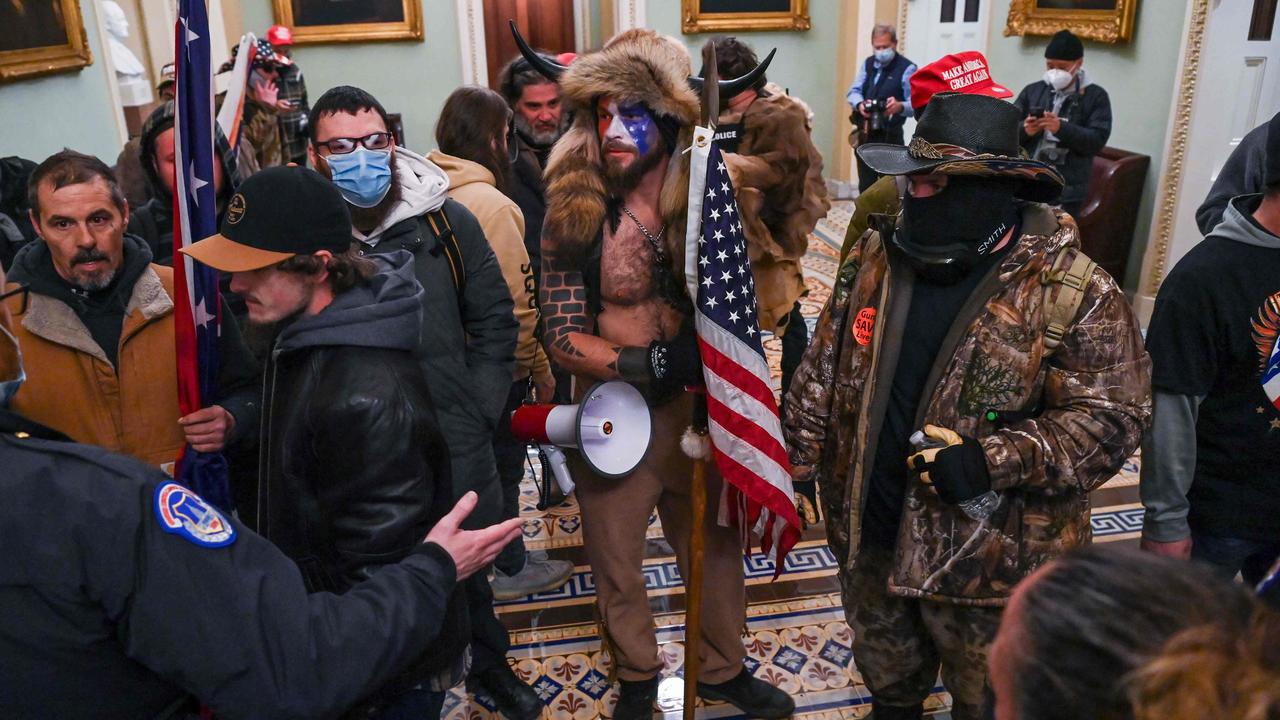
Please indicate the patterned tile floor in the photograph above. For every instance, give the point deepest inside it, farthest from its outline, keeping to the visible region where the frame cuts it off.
(796, 637)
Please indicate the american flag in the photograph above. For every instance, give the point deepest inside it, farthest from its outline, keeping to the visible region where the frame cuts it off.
(195, 218)
(742, 415)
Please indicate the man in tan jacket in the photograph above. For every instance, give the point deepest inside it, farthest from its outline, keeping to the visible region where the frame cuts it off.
(98, 331)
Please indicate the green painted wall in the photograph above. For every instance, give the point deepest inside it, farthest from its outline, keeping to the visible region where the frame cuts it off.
(1139, 76)
(804, 63)
(410, 78)
(43, 115)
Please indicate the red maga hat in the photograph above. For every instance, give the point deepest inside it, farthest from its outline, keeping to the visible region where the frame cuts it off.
(963, 72)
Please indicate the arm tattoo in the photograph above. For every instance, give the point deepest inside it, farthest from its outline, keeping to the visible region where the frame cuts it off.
(569, 325)
(564, 307)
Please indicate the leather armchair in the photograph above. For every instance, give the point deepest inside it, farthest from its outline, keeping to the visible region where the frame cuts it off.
(1110, 210)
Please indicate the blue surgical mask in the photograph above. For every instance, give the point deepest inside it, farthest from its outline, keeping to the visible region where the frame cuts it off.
(885, 56)
(10, 358)
(363, 175)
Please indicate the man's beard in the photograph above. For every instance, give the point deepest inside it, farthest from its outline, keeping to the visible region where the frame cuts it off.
(96, 281)
(541, 139)
(366, 219)
(620, 180)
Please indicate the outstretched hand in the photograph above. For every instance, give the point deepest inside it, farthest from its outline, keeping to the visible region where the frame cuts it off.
(471, 550)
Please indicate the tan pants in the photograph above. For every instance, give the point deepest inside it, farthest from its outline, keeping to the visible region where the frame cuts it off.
(615, 516)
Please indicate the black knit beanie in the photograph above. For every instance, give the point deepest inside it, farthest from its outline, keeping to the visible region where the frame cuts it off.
(1064, 46)
(1271, 170)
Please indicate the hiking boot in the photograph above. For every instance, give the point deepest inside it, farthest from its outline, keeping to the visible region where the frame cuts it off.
(539, 574)
(752, 696)
(514, 699)
(635, 699)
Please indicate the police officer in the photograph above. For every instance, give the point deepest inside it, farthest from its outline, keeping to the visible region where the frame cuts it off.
(125, 595)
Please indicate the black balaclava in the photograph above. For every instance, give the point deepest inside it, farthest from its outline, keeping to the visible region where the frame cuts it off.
(947, 234)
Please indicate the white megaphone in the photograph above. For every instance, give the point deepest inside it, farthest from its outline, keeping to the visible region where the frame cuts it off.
(611, 429)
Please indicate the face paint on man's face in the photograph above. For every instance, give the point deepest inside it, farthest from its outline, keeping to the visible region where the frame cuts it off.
(628, 125)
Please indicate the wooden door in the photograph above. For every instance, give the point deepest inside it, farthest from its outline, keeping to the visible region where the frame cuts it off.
(546, 24)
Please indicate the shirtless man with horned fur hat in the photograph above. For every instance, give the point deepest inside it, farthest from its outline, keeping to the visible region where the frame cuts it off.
(614, 307)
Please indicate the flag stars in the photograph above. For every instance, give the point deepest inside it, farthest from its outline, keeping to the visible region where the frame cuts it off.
(703, 261)
(733, 231)
(726, 276)
(737, 249)
(707, 281)
(715, 214)
(733, 317)
(711, 301)
(730, 210)
(711, 192)
(718, 236)
(729, 296)
(720, 166)
(722, 256)
(751, 330)
(724, 187)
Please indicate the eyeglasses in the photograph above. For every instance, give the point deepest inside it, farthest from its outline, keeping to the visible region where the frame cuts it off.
(342, 146)
(25, 292)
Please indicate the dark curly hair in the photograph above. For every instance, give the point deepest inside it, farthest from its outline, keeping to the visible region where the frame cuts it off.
(346, 270)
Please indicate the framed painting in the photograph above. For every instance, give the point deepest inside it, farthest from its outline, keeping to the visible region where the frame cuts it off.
(320, 21)
(702, 16)
(41, 37)
(1109, 21)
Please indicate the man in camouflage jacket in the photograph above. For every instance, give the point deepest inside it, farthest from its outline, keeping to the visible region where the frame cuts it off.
(1048, 429)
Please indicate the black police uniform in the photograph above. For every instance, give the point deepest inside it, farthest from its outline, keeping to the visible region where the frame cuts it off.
(121, 596)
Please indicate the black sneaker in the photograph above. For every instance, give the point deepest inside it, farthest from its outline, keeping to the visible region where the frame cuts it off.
(754, 697)
(515, 700)
(635, 699)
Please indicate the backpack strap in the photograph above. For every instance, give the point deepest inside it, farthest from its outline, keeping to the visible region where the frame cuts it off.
(1059, 311)
(443, 230)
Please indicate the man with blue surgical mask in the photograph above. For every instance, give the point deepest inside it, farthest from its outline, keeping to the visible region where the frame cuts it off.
(879, 96)
(399, 201)
(1066, 118)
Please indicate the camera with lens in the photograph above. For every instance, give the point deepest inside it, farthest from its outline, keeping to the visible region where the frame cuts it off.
(875, 115)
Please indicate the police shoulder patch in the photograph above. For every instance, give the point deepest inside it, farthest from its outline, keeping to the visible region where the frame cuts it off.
(183, 513)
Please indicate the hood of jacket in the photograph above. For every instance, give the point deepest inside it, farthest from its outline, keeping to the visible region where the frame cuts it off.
(461, 171)
(158, 121)
(385, 312)
(638, 66)
(33, 266)
(1239, 226)
(424, 187)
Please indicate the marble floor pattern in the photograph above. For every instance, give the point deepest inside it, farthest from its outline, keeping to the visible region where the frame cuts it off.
(796, 637)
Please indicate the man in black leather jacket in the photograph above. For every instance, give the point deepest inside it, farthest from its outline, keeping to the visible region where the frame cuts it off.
(353, 468)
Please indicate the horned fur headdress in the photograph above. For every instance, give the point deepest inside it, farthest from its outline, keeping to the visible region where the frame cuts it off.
(638, 66)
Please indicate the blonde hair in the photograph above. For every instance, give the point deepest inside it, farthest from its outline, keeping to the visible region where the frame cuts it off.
(1210, 671)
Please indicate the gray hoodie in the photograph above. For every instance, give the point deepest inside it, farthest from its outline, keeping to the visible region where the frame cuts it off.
(386, 312)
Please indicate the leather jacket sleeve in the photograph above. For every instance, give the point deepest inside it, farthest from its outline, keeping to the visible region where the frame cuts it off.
(375, 478)
(1097, 400)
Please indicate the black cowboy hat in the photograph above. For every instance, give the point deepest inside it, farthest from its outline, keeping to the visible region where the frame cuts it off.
(963, 134)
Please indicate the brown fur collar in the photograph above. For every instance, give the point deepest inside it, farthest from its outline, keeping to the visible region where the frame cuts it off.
(636, 66)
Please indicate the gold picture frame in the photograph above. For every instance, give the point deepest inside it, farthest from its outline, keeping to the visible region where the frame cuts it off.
(405, 25)
(695, 20)
(1045, 17)
(58, 21)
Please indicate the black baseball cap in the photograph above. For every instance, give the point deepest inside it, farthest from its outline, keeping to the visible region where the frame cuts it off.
(276, 214)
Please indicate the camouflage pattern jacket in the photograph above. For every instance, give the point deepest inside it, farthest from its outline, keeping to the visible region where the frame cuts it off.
(1088, 406)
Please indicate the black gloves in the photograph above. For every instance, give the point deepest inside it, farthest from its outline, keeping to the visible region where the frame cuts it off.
(955, 465)
(666, 365)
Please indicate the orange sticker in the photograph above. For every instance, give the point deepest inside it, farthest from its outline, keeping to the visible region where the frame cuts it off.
(864, 326)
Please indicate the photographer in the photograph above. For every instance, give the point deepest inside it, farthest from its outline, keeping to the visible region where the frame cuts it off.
(878, 96)
(1066, 118)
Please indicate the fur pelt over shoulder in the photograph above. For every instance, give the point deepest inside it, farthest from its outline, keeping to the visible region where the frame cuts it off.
(638, 66)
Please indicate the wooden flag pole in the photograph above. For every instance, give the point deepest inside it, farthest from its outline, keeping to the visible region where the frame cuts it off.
(698, 490)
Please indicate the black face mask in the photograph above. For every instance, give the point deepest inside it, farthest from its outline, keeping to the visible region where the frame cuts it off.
(947, 234)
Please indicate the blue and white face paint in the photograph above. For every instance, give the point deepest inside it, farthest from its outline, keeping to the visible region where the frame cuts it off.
(626, 127)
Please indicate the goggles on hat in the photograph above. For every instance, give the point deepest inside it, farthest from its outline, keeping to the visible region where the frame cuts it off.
(342, 146)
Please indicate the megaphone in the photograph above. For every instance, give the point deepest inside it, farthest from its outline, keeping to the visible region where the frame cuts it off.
(611, 428)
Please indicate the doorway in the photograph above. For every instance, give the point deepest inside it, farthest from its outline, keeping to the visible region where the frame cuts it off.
(546, 24)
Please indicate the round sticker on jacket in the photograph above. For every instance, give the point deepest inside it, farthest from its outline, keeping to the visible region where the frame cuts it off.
(864, 326)
(185, 514)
